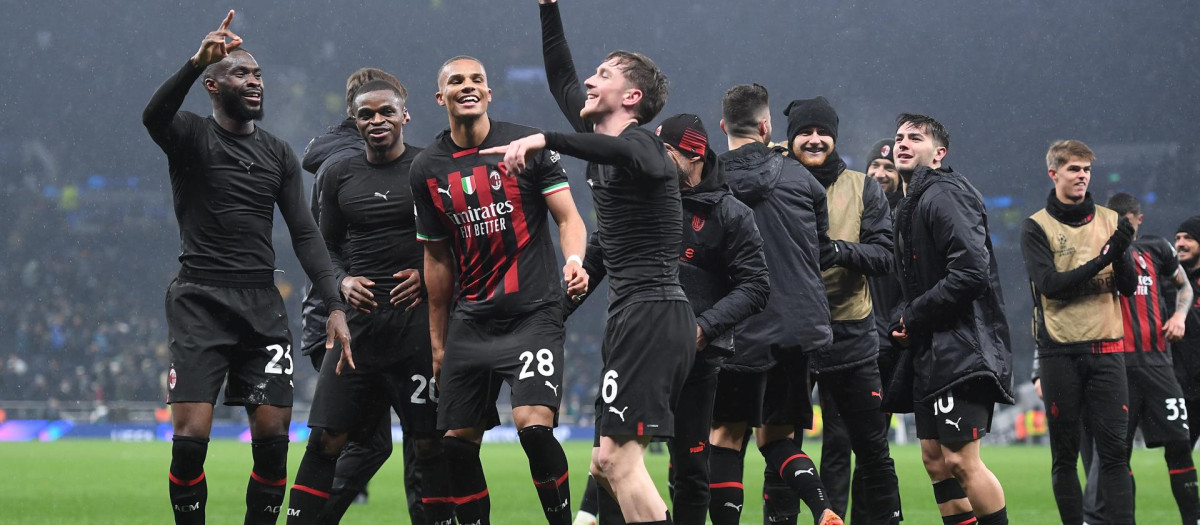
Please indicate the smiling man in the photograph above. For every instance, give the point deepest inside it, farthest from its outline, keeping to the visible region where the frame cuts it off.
(489, 217)
(953, 323)
(650, 335)
(1076, 256)
(368, 225)
(1187, 349)
(225, 318)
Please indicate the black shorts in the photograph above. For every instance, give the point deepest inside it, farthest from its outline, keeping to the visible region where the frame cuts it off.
(525, 351)
(215, 331)
(393, 368)
(788, 397)
(648, 350)
(954, 417)
(1156, 402)
(853, 389)
(740, 397)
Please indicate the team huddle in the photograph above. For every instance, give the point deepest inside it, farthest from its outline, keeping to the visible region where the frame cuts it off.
(737, 283)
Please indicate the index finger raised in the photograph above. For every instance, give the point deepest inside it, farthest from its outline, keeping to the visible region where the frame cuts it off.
(495, 150)
(228, 20)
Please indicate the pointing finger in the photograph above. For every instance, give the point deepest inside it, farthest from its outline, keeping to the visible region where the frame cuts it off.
(496, 150)
(228, 20)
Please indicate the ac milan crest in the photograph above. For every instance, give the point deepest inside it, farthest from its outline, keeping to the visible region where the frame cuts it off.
(885, 150)
(171, 378)
(697, 222)
(494, 177)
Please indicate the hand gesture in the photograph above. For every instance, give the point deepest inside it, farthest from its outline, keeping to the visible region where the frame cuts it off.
(214, 48)
(576, 278)
(409, 291)
(336, 328)
(1120, 239)
(354, 289)
(518, 152)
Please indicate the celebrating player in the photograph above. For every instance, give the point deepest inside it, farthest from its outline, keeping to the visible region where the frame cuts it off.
(224, 315)
(765, 384)
(954, 324)
(489, 218)
(370, 230)
(861, 230)
(363, 454)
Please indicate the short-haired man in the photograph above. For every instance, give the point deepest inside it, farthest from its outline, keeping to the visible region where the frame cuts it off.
(765, 384)
(860, 227)
(1156, 401)
(1076, 254)
(1187, 350)
(485, 220)
(369, 229)
(886, 300)
(724, 274)
(363, 454)
(650, 336)
(953, 323)
(224, 315)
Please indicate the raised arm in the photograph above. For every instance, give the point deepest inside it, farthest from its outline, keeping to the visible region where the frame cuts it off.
(637, 151)
(560, 68)
(159, 117)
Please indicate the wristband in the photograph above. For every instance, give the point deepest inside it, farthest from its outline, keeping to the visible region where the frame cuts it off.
(576, 259)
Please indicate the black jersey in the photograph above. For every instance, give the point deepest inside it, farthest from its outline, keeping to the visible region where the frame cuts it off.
(635, 187)
(225, 187)
(367, 219)
(496, 222)
(1155, 263)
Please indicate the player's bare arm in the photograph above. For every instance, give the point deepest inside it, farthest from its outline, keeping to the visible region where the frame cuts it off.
(572, 237)
(215, 47)
(1174, 327)
(439, 284)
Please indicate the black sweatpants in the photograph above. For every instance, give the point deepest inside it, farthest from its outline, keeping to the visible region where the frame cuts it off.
(1088, 390)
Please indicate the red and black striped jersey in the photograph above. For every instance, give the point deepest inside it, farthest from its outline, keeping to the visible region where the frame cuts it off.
(495, 221)
(1155, 264)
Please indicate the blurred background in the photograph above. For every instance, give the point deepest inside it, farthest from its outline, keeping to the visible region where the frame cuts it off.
(90, 240)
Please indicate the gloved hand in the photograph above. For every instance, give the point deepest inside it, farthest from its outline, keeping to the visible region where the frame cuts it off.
(1118, 242)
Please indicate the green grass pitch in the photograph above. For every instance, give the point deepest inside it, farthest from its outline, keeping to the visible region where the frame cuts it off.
(100, 483)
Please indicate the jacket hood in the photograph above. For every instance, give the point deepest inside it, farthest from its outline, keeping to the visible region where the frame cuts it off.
(712, 183)
(336, 139)
(752, 172)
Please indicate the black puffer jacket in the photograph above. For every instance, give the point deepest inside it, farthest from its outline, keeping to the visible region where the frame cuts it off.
(955, 313)
(722, 267)
(338, 142)
(789, 209)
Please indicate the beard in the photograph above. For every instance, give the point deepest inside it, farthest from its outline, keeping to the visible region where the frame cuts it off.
(683, 174)
(809, 162)
(234, 106)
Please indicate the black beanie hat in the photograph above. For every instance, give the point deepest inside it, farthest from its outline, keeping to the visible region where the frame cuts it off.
(802, 113)
(881, 150)
(1191, 226)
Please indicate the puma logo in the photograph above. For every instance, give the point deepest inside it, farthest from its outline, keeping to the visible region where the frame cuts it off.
(446, 191)
(876, 394)
(552, 387)
(732, 506)
(955, 423)
(383, 195)
(809, 471)
(247, 166)
(619, 412)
